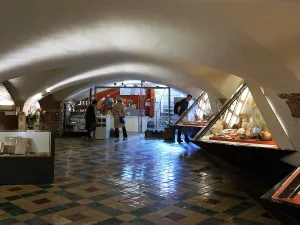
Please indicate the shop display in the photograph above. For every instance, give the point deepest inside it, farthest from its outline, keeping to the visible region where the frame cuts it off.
(241, 123)
(289, 190)
(73, 116)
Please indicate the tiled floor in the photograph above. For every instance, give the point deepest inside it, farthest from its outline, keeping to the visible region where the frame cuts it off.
(133, 182)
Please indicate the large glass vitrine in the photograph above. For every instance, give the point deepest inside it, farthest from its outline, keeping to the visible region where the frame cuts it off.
(238, 123)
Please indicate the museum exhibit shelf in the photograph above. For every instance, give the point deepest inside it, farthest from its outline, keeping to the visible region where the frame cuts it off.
(27, 157)
(239, 124)
(73, 118)
(239, 135)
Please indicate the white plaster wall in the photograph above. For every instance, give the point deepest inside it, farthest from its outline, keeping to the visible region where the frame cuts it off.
(278, 133)
(290, 124)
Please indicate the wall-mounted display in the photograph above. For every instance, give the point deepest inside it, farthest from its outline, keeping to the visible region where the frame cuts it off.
(241, 124)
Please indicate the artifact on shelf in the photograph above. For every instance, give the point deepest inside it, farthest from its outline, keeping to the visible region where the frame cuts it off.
(265, 136)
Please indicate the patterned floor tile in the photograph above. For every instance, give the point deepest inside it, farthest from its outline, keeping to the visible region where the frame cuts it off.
(148, 182)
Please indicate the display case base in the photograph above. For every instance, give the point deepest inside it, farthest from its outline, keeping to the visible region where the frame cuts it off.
(24, 170)
(263, 163)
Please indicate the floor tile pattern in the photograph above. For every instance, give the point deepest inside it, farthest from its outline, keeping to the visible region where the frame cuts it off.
(134, 182)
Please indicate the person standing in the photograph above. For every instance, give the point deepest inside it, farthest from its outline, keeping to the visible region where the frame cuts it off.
(91, 119)
(184, 104)
(119, 119)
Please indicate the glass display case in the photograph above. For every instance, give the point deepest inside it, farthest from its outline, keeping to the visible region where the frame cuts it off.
(240, 124)
(25, 144)
(198, 114)
(26, 157)
(73, 116)
(287, 191)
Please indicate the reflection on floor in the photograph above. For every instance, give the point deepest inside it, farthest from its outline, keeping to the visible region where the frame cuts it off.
(133, 182)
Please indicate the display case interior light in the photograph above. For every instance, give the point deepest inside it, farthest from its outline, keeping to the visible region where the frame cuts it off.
(232, 114)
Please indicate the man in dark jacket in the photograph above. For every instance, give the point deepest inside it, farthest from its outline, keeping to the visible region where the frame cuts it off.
(184, 104)
(91, 119)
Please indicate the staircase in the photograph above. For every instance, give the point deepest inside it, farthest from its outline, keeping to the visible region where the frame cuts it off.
(162, 107)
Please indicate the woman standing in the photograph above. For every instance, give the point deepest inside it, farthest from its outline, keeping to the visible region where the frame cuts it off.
(119, 119)
(91, 119)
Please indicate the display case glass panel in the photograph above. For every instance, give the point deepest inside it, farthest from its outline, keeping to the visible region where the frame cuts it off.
(241, 124)
(25, 143)
(199, 114)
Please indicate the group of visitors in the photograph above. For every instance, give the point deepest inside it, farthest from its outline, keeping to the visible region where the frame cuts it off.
(118, 113)
(119, 119)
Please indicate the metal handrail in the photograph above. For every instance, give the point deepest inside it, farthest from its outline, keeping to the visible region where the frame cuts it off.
(189, 109)
(227, 104)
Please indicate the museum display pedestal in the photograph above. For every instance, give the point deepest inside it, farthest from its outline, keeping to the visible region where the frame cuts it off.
(35, 165)
(103, 127)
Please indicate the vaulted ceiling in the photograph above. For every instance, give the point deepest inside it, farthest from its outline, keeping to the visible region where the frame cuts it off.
(192, 45)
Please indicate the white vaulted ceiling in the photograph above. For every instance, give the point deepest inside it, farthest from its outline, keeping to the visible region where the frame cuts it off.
(188, 44)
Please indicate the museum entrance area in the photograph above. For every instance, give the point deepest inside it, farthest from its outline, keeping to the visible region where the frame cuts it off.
(148, 106)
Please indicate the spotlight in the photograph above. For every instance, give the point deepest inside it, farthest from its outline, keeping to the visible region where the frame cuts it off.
(115, 84)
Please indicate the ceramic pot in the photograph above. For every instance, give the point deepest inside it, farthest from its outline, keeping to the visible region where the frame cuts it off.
(266, 136)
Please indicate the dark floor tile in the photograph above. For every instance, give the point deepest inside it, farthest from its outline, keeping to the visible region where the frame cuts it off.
(11, 208)
(37, 221)
(112, 221)
(15, 189)
(45, 186)
(18, 212)
(153, 196)
(196, 208)
(91, 189)
(148, 209)
(41, 201)
(27, 195)
(39, 192)
(212, 221)
(5, 204)
(232, 212)
(212, 201)
(12, 198)
(240, 221)
(70, 205)
(224, 194)
(175, 217)
(105, 209)
(8, 221)
(43, 212)
(57, 209)
(141, 222)
(247, 204)
(76, 217)
(209, 212)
